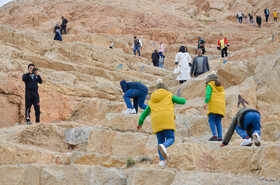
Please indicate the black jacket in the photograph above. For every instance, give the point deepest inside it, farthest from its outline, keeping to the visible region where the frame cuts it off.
(64, 23)
(205, 65)
(133, 85)
(31, 85)
(155, 56)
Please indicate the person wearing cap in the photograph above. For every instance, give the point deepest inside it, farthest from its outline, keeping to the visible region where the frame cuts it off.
(275, 15)
(201, 45)
(161, 107)
(247, 123)
(216, 103)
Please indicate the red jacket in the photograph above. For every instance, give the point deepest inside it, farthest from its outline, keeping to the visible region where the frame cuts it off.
(219, 43)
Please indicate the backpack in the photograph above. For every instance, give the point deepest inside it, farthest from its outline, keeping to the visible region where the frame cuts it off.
(136, 43)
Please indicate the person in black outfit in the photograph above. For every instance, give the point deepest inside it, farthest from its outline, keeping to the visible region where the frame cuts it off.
(31, 79)
(155, 58)
(63, 25)
(259, 21)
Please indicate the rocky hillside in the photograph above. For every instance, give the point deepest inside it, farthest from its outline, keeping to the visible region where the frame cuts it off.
(83, 137)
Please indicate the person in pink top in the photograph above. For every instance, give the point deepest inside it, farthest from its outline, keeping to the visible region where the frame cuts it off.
(161, 47)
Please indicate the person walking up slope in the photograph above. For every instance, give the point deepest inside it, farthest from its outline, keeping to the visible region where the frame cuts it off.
(183, 61)
(247, 123)
(161, 107)
(215, 99)
(136, 45)
(223, 45)
(266, 13)
(275, 15)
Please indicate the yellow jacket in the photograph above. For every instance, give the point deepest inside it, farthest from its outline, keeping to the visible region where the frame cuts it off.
(162, 111)
(275, 14)
(217, 103)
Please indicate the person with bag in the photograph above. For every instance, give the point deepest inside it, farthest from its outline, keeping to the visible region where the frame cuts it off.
(216, 102)
(182, 65)
(200, 64)
(161, 107)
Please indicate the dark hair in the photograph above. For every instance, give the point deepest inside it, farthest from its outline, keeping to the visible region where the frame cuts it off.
(218, 83)
(62, 17)
(186, 49)
(31, 65)
(182, 49)
(135, 37)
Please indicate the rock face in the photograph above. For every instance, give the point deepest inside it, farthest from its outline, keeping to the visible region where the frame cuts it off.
(84, 138)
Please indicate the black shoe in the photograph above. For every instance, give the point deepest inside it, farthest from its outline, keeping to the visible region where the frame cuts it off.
(213, 139)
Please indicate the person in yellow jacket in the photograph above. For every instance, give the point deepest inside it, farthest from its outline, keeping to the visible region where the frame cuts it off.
(161, 107)
(215, 99)
(275, 15)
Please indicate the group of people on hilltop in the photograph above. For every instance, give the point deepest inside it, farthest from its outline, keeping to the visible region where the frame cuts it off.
(250, 19)
(59, 29)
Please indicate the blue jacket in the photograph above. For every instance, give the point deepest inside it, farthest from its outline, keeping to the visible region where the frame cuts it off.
(133, 85)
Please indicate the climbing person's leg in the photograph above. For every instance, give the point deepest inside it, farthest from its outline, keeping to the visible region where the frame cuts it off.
(256, 124)
(138, 49)
(218, 123)
(135, 103)
(161, 138)
(141, 99)
(211, 120)
(242, 133)
(134, 50)
(169, 138)
(129, 94)
(222, 53)
(225, 50)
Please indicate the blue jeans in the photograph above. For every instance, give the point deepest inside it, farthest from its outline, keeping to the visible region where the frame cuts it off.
(165, 137)
(160, 65)
(138, 96)
(252, 119)
(137, 48)
(240, 19)
(215, 121)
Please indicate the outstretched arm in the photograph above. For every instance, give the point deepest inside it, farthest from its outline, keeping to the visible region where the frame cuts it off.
(178, 100)
(144, 115)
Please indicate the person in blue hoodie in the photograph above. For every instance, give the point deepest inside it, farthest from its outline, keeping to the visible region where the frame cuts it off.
(138, 92)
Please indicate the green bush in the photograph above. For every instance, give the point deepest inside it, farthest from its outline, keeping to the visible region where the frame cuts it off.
(144, 158)
(130, 162)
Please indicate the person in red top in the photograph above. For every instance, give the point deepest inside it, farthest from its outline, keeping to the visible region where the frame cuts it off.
(223, 45)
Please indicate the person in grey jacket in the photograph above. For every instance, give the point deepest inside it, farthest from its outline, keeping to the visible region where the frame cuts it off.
(200, 64)
(247, 123)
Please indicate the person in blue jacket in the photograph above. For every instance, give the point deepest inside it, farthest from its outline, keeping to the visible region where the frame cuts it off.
(138, 92)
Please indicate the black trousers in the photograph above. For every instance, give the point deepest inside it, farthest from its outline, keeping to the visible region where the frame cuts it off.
(155, 62)
(63, 28)
(32, 98)
(182, 81)
(224, 52)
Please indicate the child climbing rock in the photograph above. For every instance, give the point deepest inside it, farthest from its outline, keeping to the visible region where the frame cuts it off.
(161, 107)
(247, 123)
(215, 99)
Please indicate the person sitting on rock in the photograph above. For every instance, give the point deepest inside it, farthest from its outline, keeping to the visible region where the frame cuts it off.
(161, 107)
(247, 123)
(138, 92)
(31, 80)
(215, 99)
(200, 64)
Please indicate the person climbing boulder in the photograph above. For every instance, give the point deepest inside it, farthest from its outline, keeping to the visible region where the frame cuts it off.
(138, 92)
(247, 123)
(216, 103)
(161, 107)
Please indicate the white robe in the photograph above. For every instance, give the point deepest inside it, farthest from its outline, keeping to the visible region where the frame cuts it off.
(183, 60)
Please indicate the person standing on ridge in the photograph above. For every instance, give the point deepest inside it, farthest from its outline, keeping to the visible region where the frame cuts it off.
(183, 61)
(259, 21)
(266, 13)
(138, 92)
(161, 107)
(240, 16)
(63, 25)
(216, 102)
(247, 123)
(137, 45)
(31, 80)
(223, 46)
(200, 64)
(275, 15)
(155, 58)
(201, 45)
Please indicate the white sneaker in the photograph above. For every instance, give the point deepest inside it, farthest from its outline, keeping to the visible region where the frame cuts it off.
(247, 142)
(163, 151)
(162, 164)
(256, 139)
(130, 111)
